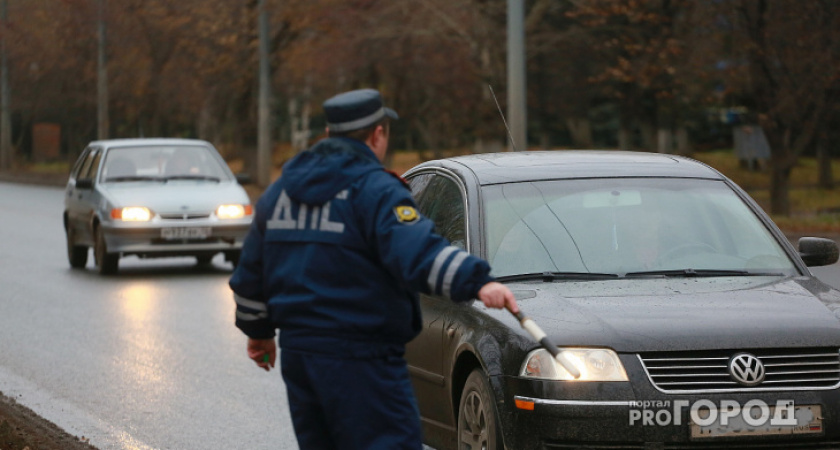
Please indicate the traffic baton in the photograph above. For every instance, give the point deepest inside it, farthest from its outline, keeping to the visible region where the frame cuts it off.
(539, 335)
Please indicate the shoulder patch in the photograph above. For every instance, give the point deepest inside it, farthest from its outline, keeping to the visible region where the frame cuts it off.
(406, 214)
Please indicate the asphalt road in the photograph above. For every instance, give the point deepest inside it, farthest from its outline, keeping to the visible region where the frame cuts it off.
(146, 359)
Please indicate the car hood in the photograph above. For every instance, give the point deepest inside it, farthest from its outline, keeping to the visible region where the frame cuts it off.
(683, 313)
(181, 196)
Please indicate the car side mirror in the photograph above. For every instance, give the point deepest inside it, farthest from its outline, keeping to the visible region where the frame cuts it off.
(243, 178)
(818, 251)
(84, 183)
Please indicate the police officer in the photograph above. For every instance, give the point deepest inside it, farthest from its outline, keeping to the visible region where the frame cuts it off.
(335, 257)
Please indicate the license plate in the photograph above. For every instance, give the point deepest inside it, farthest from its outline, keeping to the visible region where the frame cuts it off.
(185, 233)
(808, 421)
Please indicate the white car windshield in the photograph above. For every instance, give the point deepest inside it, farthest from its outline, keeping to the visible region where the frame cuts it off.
(163, 163)
(626, 226)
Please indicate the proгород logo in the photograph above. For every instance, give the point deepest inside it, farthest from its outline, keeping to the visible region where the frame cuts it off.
(729, 417)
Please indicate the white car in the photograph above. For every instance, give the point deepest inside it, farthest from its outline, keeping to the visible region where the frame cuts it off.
(153, 198)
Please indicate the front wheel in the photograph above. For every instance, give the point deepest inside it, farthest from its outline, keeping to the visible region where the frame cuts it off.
(478, 425)
(105, 262)
(233, 257)
(77, 255)
(204, 260)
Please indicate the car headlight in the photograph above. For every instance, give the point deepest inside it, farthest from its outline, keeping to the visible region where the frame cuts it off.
(595, 364)
(233, 211)
(132, 214)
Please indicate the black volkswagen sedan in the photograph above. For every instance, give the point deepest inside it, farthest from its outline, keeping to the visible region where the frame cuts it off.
(694, 323)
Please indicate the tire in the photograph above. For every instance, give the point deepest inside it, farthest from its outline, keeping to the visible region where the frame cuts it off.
(233, 258)
(106, 262)
(478, 423)
(204, 260)
(77, 255)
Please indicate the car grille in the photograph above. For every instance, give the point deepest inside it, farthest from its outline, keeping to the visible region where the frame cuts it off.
(728, 445)
(591, 446)
(183, 216)
(787, 369)
(764, 445)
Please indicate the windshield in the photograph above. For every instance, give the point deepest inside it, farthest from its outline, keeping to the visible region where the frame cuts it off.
(163, 163)
(624, 226)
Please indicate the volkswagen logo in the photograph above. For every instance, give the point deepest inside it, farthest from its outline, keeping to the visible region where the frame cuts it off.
(746, 369)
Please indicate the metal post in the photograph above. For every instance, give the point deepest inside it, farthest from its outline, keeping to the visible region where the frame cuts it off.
(264, 159)
(5, 114)
(517, 101)
(103, 123)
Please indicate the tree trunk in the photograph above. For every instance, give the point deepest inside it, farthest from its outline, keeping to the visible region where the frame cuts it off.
(430, 139)
(206, 125)
(779, 186)
(683, 141)
(826, 178)
(648, 136)
(665, 140)
(624, 137)
(581, 130)
(545, 140)
(482, 145)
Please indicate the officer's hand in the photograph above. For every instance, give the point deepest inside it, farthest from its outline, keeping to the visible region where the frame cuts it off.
(263, 352)
(497, 295)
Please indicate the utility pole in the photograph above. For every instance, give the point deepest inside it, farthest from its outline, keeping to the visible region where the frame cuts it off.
(517, 101)
(264, 159)
(5, 114)
(102, 124)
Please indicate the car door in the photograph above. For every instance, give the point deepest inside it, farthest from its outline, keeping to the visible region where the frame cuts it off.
(72, 197)
(83, 200)
(440, 197)
(423, 353)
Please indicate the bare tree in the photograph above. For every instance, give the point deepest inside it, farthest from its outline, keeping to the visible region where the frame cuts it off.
(792, 75)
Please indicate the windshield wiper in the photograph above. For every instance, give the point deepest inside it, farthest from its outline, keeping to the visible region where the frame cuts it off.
(700, 273)
(133, 178)
(192, 177)
(552, 276)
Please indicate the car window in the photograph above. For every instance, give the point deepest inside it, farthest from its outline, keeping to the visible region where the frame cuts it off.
(74, 173)
(442, 202)
(418, 184)
(85, 171)
(625, 225)
(164, 162)
(94, 165)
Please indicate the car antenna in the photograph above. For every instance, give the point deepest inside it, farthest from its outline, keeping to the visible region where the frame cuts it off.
(510, 135)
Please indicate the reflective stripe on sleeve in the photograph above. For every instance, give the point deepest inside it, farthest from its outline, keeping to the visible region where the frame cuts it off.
(250, 304)
(440, 259)
(250, 317)
(451, 270)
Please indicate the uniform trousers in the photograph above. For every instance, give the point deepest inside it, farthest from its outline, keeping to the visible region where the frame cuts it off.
(351, 403)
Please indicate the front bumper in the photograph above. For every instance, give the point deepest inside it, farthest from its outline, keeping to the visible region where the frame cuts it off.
(611, 415)
(148, 240)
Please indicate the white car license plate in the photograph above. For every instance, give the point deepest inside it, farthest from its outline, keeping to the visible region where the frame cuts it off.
(808, 421)
(185, 233)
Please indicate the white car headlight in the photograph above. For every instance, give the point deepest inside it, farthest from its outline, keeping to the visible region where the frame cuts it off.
(595, 364)
(132, 214)
(233, 211)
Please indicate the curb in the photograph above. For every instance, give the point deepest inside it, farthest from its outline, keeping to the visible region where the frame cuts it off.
(42, 179)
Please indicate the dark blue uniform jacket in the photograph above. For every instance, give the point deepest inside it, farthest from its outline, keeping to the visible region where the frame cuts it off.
(337, 253)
